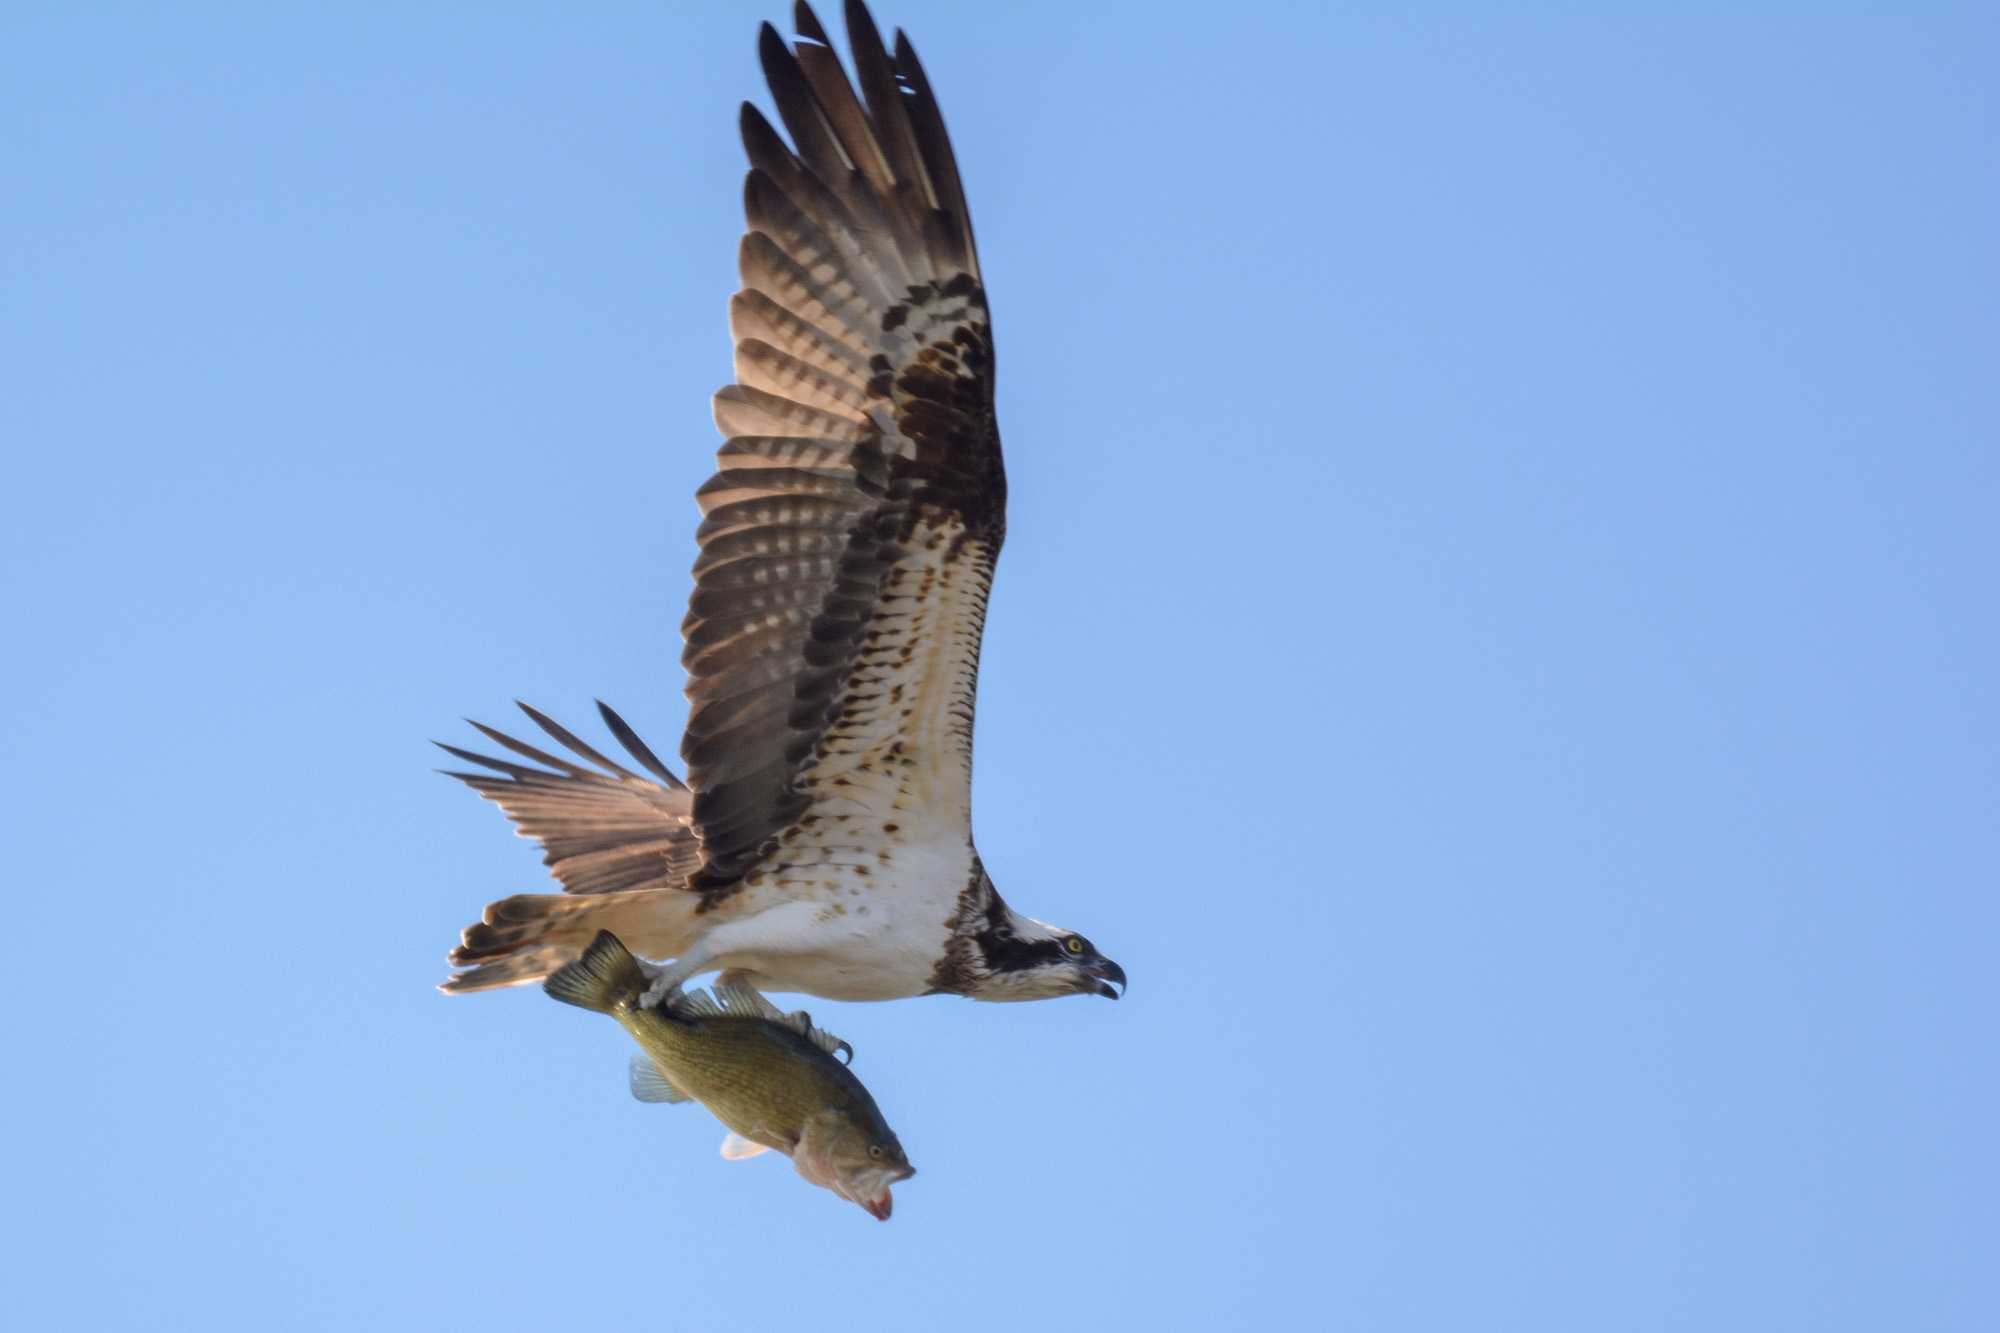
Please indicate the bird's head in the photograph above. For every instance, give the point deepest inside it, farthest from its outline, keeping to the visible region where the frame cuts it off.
(1025, 959)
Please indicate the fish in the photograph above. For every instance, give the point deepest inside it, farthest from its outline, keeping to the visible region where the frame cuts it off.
(771, 1077)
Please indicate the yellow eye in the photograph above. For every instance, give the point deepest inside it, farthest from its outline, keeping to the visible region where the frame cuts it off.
(1073, 944)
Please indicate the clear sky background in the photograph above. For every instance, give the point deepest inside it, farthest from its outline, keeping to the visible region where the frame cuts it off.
(1497, 636)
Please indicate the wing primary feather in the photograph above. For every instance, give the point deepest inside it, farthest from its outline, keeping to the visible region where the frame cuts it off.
(527, 751)
(842, 109)
(813, 136)
(601, 832)
(569, 738)
(487, 761)
(637, 748)
(807, 24)
(885, 106)
(942, 164)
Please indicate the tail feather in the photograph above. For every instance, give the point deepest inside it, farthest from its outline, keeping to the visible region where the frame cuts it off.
(528, 936)
(514, 969)
(606, 975)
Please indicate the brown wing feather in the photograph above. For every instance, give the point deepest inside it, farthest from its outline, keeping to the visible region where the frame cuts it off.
(601, 832)
(848, 540)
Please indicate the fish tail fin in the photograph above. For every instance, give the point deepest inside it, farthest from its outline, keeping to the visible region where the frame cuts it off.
(606, 976)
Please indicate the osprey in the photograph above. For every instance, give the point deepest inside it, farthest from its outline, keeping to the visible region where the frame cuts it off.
(822, 842)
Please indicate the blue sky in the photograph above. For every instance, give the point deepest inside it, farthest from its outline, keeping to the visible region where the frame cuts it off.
(1496, 635)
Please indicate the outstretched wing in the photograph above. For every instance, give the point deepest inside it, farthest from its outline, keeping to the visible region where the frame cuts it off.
(602, 832)
(849, 538)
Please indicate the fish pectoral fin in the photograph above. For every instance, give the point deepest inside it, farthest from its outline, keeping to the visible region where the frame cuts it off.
(650, 1085)
(736, 1148)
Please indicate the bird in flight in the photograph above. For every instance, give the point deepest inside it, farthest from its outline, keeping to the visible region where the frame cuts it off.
(822, 841)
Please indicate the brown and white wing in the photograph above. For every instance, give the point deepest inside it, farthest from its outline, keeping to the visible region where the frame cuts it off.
(602, 831)
(849, 537)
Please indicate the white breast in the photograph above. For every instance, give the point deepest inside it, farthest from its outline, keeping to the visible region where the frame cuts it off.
(842, 929)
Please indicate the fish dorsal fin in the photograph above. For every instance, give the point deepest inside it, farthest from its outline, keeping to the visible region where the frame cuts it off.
(650, 1085)
(744, 1002)
(739, 1149)
(693, 1004)
(802, 1023)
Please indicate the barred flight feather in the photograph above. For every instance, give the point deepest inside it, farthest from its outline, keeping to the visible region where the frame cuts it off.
(847, 544)
(849, 537)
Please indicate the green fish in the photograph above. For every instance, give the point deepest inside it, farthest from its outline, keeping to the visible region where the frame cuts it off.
(770, 1076)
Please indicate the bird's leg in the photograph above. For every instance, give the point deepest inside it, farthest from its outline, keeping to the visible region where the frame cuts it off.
(736, 976)
(670, 977)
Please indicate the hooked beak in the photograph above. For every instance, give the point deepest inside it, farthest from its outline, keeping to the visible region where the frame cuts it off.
(1107, 972)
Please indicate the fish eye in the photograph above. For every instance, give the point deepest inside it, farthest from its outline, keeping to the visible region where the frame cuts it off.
(875, 1151)
(1074, 944)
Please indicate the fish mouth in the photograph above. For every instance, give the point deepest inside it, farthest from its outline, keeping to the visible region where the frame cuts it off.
(1110, 978)
(870, 1189)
